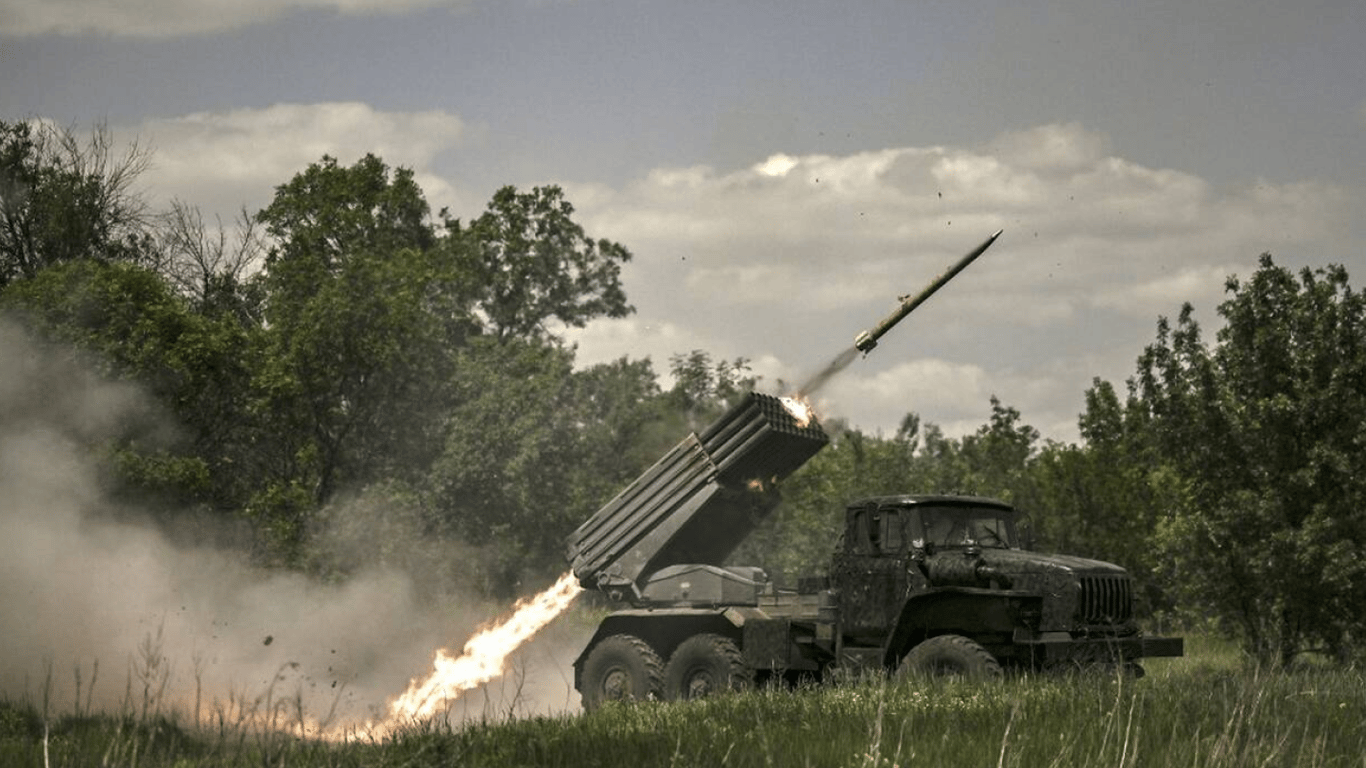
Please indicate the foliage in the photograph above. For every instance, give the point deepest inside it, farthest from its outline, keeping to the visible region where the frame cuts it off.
(993, 461)
(176, 447)
(328, 213)
(392, 351)
(359, 340)
(333, 344)
(529, 262)
(703, 389)
(1102, 498)
(1264, 434)
(63, 199)
(532, 449)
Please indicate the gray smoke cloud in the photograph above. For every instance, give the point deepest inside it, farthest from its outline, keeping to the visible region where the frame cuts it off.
(84, 586)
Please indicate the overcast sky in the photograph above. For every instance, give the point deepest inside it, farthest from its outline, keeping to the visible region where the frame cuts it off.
(782, 171)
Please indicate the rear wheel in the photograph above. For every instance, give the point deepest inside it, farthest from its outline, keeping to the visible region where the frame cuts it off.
(621, 668)
(704, 665)
(952, 655)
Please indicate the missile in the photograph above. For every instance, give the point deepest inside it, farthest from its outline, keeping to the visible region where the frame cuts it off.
(865, 341)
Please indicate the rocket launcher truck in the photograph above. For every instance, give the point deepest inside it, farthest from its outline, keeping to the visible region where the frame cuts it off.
(935, 584)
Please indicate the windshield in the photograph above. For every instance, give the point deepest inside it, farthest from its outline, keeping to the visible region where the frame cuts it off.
(960, 526)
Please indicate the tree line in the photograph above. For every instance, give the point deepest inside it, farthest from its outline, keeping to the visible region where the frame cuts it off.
(355, 379)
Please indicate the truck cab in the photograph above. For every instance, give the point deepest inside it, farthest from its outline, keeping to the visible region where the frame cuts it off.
(914, 567)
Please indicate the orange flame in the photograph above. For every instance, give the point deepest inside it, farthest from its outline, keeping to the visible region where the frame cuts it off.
(799, 408)
(483, 658)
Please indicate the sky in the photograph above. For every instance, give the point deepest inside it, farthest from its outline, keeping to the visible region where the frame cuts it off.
(783, 171)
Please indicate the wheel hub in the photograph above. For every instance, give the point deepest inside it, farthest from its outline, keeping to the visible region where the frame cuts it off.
(700, 684)
(616, 685)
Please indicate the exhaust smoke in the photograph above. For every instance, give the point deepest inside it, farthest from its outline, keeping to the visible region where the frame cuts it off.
(98, 603)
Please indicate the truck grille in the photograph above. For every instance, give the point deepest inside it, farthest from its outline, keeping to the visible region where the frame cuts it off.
(1106, 599)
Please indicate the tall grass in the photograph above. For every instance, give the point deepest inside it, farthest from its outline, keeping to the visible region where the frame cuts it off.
(1205, 710)
(1190, 715)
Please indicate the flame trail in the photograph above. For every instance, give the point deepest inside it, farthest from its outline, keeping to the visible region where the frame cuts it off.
(482, 659)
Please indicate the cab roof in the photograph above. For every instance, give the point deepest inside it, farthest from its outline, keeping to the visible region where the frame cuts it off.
(929, 500)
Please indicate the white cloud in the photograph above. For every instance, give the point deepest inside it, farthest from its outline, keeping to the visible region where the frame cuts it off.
(607, 340)
(1199, 284)
(1058, 147)
(777, 165)
(784, 268)
(785, 260)
(927, 386)
(221, 161)
(171, 18)
(1073, 217)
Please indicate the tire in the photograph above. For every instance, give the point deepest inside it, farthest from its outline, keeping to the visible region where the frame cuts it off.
(704, 665)
(952, 655)
(621, 668)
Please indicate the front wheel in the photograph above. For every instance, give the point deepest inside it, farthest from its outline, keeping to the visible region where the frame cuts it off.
(704, 665)
(952, 655)
(621, 668)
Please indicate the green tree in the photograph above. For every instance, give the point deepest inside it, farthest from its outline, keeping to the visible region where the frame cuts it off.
(529, 263)
(212, 268)
(1262, 442)
(327, 212)
(622, 418)
(995, 460)
(1102, 498)
(393, 347)
(997, 457)
(180, 448)
(62, 199)
(533, 448)
(703, 389)
(362, 328)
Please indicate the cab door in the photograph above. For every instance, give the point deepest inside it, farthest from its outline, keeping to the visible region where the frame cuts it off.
(869, 573)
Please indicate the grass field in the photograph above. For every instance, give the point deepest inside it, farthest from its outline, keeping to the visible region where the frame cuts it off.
(1207, 709)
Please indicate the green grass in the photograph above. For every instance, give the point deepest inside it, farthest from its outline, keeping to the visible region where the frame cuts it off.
(1204, 710)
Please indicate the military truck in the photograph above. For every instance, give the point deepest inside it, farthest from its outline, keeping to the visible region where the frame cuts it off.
(933, 583)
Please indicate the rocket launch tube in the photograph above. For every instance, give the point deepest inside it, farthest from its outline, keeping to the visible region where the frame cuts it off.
(865, 341)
